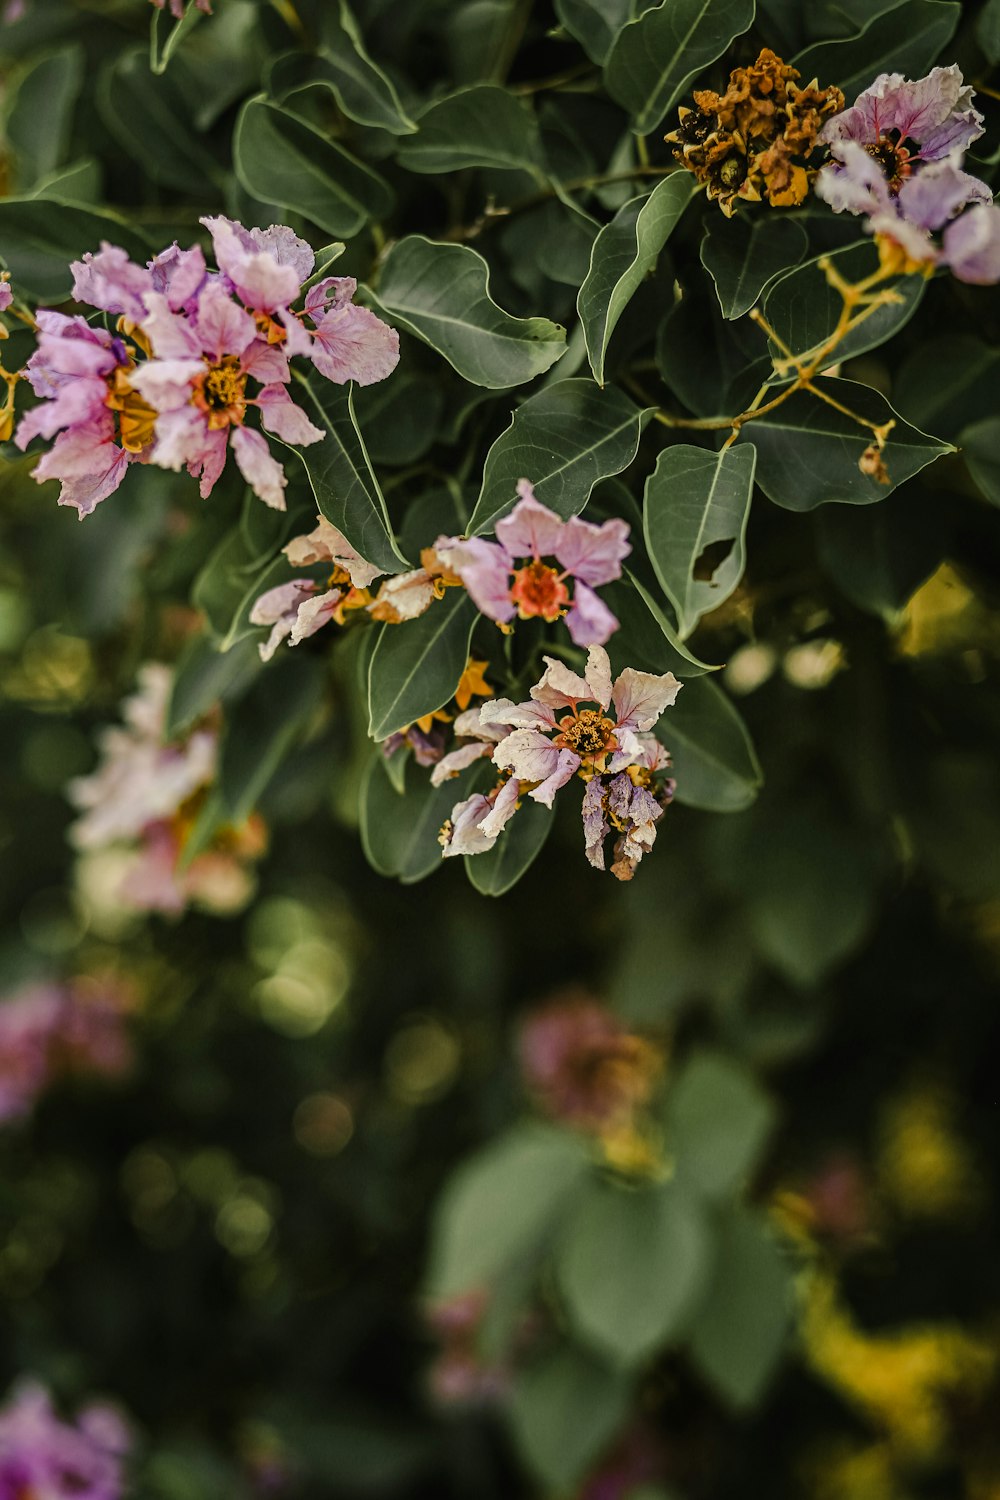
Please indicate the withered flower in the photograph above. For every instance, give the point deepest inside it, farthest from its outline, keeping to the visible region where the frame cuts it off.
(753, 142)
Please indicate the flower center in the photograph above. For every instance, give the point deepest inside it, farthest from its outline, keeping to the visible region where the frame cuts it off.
(588, 732)
(893, 158)
(537, 589)
(222, 392)
(136, 418)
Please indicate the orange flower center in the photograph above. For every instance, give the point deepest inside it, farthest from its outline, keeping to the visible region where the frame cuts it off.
(538, 590)
(588, 733)
(893, 158)
(221, 393)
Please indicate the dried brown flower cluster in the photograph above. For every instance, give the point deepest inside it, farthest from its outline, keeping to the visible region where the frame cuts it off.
(753, 141)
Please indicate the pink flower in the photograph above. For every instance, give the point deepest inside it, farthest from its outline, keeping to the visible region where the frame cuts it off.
(143, 801)
(44, 1458)
(588, 555)
(604, 738)
(581, 1064)
(50, 1030)
(6, 295)
(349, 343)
(298, 609)
(82, 375)
(197, 383)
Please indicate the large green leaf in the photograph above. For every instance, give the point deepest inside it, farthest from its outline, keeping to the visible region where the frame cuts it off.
(632, 1264)
(906, 39)
(743, 255)
(165, 34)
(481, 126)
(740, 1332)
(440, 293)
(40, 236)
(655, 59)
(714, 759)
(261, 729)
(40, 120)
(808, 453)
(878, 555)
(719, 1121)
(416, 666)
(400, 824)
(565, 439)
(565, 1410)
(342, 479)
(280, 158)
(148, 116)
(503, 1205)
(205, 676)
(803, 308)
(362, 89)
(622, 256)
(695, 521)
(596, 24)
(948, 382)
(500, 868)
(980, 447)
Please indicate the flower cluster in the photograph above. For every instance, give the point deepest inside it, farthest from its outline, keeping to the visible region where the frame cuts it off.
(504, 579)
(572, 726)
(143, 801)
(194, 351)
(50, 1031)
(896, 157)
(754, 142)
(45, 1458)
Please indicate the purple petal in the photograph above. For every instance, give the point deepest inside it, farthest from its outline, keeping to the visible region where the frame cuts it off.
(330, 294)
(484, 568)
(594, 553)
(531, 756)
(854, 182)
(351, 343)
(280, 415)
(531, 529)
(972, 245)
(565, 769)
(595, 824)
(221, 326)
(171, 337)
(504, 808)
(178, 275)
(589, 620)
(934, 195)
(259, 468)
(110, 281)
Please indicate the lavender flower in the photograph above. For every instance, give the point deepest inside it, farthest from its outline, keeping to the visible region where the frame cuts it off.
(44, 1458)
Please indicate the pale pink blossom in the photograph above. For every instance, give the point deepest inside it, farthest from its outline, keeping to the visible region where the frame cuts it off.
(509, 577)
(49, 1031)
(581, 1065)
(44, 1458)
(296, 610)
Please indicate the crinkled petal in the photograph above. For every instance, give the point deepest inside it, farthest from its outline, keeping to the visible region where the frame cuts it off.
(558, 687)
(564, 770)
(533, 757)
(110, 281)
(170, 336)
(854, 182)
(456, 760)
(484, 568)
(531, 529)
(182, 438)
(403, 597)
(598, 675)
(221, 326)
(934, 195)
(76, 402)
(595, 823)
(592, 553)
(178, 275)
(267, 363)
(589, 620)
(465, 835)
(503, 809)
(641, 697)
(285, 247)
(6, 295)
(972, 245)
(504, 712)
(89, 464)
(278, 608)
(327, 544)
(279, 414)
(330, 294)
(259, 467)
(167, 383)
(314, 613)
(351, 343)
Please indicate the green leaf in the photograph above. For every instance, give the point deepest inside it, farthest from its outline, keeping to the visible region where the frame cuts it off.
(565, 1410)
(481, 126)
(500, 868)
(342, 478)
(714, 759)
(148, 116)
(364, 92)
(743, 255)
(261, 729)
(632, 1264)
(279, 157)
(481, 38)
(623, 255)
(947, 383)
(596, 24)
(719, 1122)
(697, 503)
(440, 293)
(740, 1333)
(656, 58)
(808, 453)
(803, 308)
(980, 447)
(40, 236)
(234, 575)
(906, 40)
(165, 33)
(416, 667)
(76, 182)
(40, 121)
(645, 638)
(988, 30)
(878, 555)
(400, 416)
(501, 1207)
(400, 824)
(204, 677)
(565, 439)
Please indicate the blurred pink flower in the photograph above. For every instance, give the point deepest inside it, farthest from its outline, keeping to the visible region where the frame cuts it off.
(582, 1066)
(48, 1031)
(45, 1458)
